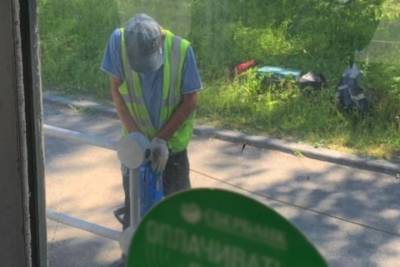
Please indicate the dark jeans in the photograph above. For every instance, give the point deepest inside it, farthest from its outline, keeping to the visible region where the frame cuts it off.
(175, 179)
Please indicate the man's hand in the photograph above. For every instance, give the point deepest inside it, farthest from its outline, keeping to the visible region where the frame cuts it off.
(159, 154)
(185, 108)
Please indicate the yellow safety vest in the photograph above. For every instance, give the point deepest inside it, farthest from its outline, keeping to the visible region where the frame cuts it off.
(175, 49)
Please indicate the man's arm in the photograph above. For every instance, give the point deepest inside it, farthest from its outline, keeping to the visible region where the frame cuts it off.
(122, 110)
(184, 110)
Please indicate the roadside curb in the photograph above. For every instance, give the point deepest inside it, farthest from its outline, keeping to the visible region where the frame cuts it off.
(309, 151)
(79, 103)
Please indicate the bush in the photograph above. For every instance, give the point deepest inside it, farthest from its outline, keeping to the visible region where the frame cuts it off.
(317, 35)
(73, 36)
(310, 35)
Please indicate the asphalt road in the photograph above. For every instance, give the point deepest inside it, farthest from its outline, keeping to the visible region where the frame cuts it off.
(351, 215)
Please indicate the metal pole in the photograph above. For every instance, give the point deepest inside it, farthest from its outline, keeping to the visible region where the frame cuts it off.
(134, 195)
(83, 225)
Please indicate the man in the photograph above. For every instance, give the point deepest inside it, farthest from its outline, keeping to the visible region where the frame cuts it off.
(154, 86)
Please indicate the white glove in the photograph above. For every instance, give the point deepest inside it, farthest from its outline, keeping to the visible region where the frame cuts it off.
(159, 154)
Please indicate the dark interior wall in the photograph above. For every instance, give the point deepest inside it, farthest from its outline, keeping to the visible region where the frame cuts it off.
(15, 224)
(32, 111)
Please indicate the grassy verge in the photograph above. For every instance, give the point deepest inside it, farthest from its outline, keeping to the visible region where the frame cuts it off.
(286, 112)
(310, 117)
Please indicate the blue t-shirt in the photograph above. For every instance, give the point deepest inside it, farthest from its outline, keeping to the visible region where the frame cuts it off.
(151, 82)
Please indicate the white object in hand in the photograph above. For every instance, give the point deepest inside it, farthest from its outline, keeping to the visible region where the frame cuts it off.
(159, 154)
(131, 150)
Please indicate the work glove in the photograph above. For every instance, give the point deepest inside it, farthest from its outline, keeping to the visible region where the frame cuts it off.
(159, 154)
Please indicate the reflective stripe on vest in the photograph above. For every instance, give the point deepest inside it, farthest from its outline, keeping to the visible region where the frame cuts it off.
(174, 53)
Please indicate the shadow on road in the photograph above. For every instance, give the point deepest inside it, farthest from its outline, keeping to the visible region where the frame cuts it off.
(351, 215)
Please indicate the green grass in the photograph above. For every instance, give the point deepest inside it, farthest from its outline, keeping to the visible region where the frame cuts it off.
(298, 116)
(307, 35)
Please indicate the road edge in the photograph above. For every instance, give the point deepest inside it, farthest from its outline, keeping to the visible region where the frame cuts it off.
(298, 149)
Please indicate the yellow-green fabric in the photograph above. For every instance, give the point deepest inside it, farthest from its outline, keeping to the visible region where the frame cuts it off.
(174, 53)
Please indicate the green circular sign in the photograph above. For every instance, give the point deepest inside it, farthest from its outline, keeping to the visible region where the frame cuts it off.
(217, 228)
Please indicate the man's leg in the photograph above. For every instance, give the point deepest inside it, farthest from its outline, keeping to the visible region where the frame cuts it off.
(126, 208)
(175, 179)
(176, 173)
